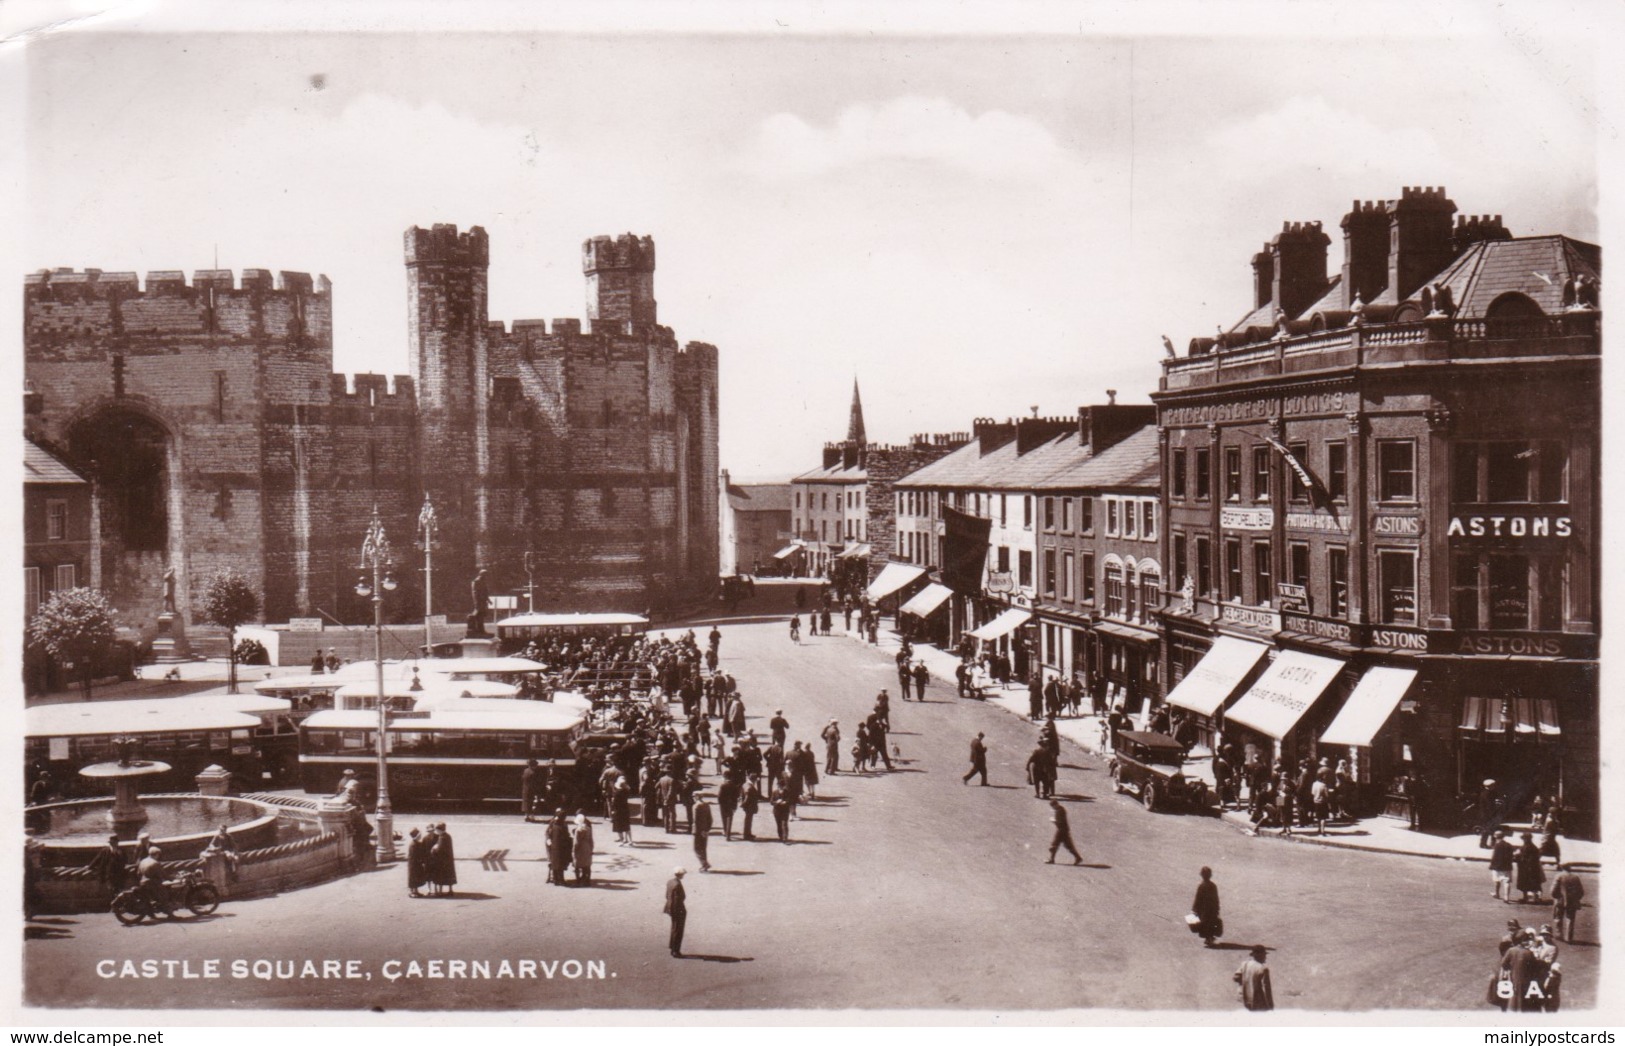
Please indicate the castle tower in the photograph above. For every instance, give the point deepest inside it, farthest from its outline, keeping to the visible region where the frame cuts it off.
(854, 425)
(620, 279)
(446, 318)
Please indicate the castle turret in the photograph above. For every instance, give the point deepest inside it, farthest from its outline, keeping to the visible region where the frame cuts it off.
(620, 278)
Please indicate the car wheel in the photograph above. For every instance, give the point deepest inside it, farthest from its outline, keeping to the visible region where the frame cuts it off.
(1151, 796)
(1117, 780)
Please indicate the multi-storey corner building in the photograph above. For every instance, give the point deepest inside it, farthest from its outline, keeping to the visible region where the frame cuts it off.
(1381, 490)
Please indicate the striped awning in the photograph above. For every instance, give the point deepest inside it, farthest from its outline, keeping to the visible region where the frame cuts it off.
(1521, 716)
(928, 600)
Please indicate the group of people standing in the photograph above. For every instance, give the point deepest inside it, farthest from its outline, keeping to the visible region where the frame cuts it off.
(1528, 979)
(431, 861)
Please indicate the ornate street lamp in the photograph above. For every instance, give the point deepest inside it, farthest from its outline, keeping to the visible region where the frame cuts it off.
(428, 526)
(375, 556)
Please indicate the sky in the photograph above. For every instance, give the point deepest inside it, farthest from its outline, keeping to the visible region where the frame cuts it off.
(969, 223)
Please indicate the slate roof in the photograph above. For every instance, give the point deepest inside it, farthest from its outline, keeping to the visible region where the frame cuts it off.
(41, 466)
(759, 497)
(1487, 270)
(833, 474)
(1063, 463)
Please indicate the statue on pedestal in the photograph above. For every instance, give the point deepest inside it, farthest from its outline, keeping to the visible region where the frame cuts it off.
(482, 600)
(169, 590)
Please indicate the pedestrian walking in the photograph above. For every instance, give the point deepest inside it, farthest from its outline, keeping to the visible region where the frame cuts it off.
(677, 908)
(1063, 834)
(749, 803)
(1568, 897)
(824, 621)
(728, 802)
(781, 811)
(922, 676)
(1041, 772)
(1205, 908)
(1501, 857)
(832, 745)
(581, 849)
(1254, 978)
(1531, 877)
(978, 760)
(779, 727)
(666, 797)
(701, 829)
(621, 811)
(795, 628)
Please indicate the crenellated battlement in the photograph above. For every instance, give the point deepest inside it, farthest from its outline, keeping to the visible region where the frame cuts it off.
(371, 389)
(628, 251)
(94, 284)
(1477, 228)
(1423, 197)
(444, 245)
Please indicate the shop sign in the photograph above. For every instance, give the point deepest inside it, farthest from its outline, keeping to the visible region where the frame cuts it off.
(1398, 638)
(1530, 644)
(1252, 617)
(1511, 526)
(1315, 521)
(1246, 518)
(1237, 410)
(1403, 526)
(304, 624)
(1341, 631)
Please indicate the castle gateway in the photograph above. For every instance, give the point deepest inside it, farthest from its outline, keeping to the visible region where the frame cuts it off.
(218, 435)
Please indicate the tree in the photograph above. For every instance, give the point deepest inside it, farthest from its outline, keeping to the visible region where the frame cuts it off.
(74, 626)
(230, 602)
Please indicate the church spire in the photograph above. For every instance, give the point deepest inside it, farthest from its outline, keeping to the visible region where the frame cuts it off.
(854, 426)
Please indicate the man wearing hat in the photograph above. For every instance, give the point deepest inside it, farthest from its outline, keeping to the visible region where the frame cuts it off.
(978, 760)
(1501, 854)
(1568, 895)
(677, 908)
(150, 873)
(780, 727)
(832, 746)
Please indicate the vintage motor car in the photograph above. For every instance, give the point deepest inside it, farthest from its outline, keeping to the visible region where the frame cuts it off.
(1151, 766)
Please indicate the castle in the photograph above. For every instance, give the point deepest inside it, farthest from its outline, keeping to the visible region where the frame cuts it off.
(209, 416)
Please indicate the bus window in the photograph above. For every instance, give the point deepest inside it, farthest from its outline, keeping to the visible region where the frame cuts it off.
(354, 740)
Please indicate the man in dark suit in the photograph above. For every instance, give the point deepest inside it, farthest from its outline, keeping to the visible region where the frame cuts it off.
(978, 760)
(1520, 962)
(677, 908)
(700, 825)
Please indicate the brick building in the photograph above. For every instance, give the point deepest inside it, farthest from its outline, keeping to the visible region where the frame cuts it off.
(219, 436)
(1384, 481)
(759, 522)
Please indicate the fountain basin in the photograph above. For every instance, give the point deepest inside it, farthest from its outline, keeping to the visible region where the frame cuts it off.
(181, 825)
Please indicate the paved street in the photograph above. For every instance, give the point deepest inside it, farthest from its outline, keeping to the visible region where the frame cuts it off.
(901, 890)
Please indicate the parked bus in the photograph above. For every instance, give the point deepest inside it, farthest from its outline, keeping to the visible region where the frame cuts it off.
(463, 752)
(254, 737)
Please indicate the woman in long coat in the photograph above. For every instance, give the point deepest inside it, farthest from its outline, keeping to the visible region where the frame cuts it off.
(582, 838)
(417, 863)
(559, 846)
(1206, 908)
(621, 811)
(443, 860)
(1530, 875)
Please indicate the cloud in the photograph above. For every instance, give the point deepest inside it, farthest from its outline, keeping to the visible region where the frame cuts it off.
(910, 129)
(1309, 132)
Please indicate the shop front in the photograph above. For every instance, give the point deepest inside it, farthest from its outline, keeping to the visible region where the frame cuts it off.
(1281, 715)
(1003, 638)
(1209, 684)
(1127, 666)
(924, 618)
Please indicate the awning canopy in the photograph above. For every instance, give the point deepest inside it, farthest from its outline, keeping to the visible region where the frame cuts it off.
(787, 551)
(1524, 716)
(1292, 682)
(1126, 633)
(1368, 708)
(1002, 625)
(857, 551)
(893, 576)
(928, 600)
(1208, 685)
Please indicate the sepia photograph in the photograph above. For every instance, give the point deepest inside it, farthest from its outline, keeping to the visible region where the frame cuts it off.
(724, 513)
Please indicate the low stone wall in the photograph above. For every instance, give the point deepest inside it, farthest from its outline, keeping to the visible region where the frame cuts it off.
(256, 873)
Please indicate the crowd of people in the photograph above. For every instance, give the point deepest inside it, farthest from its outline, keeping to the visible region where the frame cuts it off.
(1528, 977)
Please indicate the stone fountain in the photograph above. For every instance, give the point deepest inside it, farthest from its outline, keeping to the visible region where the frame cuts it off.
(127, 814)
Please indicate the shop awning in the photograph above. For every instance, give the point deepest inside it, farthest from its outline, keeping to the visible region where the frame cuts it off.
(1208, 685)
(1125, 632)
(1525, 716)
(787, 551)
(857, 551)
(1002, 625)
(1379, 692)
(893, 576)
(1292, 682)
(928, 600)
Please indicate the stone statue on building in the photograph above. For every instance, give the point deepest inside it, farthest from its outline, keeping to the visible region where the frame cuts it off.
(1187, 596)
(482, 601)
(169, 590)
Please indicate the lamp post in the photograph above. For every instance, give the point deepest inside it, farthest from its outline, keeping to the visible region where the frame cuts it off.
(427, 526)
(375, 557)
